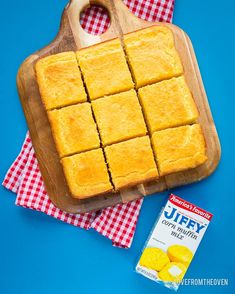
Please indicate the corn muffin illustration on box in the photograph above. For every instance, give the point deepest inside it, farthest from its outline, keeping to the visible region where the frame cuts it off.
(172, 272)
(173, 242)
(180, 254)
(154, 258)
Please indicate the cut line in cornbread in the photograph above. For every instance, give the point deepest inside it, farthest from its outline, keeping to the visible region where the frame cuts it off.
(131, 162)
(119, 117)
(74, 129)
(105, 69)
(59, 80)
(152, 55)
(86, 174)
(179, 149)
(168, 104)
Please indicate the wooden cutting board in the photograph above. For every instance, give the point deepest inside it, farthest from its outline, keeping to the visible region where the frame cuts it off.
(71, 36)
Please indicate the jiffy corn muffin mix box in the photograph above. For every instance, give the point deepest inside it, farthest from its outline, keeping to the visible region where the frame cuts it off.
(173, 242)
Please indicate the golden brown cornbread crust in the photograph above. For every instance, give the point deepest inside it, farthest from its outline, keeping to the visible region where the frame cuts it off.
(86, 174)
(74, 129)
(131, 162)
(119, 117)
(105, 69)
(59, 80)
(179, 149)
(168, 104)
(151, 55)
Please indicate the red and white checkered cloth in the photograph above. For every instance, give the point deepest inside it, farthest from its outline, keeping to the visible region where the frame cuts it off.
(118, 223)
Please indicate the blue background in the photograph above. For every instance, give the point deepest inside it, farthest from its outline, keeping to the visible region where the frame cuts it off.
(39, 254)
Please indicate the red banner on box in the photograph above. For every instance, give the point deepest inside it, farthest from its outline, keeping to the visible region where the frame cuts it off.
(190, 207)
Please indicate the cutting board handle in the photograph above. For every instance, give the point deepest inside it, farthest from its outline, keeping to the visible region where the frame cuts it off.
(122, 21)
(81, 37)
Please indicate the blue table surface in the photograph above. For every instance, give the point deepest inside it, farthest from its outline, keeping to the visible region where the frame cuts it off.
(39, 254)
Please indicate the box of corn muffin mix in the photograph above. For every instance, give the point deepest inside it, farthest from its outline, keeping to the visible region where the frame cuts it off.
(173, 242)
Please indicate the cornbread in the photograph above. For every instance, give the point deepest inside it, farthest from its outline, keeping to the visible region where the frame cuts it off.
(129, 99)
(74, 129)
(154, 258)
(59, 80)
(131, 162)
(172, 272)
(173, 242)
(180, 253)
(168, 104)
(152, 55)
(105, 69)
(119, 117)
(180, 148)
(86, 174)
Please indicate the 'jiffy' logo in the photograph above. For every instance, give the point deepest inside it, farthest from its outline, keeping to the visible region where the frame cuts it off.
(182, 220)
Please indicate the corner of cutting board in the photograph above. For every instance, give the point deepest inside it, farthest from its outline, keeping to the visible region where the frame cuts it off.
(175, 28)
(24, 66)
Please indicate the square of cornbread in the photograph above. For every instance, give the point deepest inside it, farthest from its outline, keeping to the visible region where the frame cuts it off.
(59, 80)
(74, 129)
(131, 162)
(152, 55)
(86, 174)
(105, 69)
(168, 104)
(119, 117)
(179, 149)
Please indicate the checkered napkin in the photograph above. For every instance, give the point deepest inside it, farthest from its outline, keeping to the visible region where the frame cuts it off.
(118, 223)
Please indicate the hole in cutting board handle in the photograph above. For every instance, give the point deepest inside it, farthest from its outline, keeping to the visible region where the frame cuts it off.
(95, 19)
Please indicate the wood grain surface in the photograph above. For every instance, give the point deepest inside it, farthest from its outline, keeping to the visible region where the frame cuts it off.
(71, 36)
